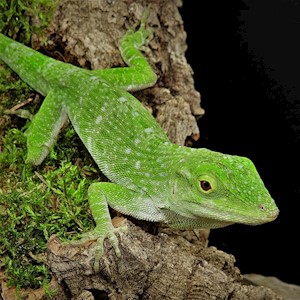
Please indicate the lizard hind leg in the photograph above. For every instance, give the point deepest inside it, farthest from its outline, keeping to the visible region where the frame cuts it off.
(44, 128)
(139, 74)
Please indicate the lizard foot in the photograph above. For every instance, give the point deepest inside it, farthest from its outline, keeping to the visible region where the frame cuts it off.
(98, 235)
(142, 35)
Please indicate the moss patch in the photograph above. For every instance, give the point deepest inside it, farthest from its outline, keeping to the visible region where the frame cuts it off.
(16, 17)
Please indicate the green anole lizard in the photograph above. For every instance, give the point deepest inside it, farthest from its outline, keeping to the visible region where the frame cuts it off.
(151, 178)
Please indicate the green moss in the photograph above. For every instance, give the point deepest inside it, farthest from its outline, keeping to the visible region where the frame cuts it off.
(16, 17)
(12, 88)
(35, 202)
(38, 202)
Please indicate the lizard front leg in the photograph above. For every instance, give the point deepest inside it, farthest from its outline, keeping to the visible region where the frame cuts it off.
(45, 127)
(123, 200)
(98, 195)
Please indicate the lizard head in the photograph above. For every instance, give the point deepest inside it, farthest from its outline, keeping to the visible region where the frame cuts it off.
(222, 189)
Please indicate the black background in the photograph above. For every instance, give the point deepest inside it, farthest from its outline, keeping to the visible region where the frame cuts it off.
(246, 61)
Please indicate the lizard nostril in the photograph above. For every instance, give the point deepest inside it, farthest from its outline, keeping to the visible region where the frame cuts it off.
(261, 206)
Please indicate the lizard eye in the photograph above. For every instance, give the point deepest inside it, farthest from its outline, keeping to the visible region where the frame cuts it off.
(205, 185)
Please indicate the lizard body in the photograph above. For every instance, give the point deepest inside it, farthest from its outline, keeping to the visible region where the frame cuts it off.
(151, 178)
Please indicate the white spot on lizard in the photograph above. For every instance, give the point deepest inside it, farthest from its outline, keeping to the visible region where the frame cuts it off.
(148, 130)
(122, 99)
(99, 119)
(89, 143)
(127, 150)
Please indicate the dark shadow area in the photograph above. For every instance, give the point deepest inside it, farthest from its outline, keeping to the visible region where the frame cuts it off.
(246, 62)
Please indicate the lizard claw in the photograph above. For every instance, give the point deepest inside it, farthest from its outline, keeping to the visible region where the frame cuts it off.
(114, 241)
(98, 235)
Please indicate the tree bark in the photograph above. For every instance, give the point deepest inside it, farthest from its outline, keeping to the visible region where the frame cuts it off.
(167, 265)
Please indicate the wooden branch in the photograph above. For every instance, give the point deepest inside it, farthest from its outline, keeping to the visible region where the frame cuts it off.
(168, 265)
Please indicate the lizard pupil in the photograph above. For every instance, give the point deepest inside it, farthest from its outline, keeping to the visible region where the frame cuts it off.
(205, 185)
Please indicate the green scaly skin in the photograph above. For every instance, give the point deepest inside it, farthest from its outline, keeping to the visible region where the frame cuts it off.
(151, 178)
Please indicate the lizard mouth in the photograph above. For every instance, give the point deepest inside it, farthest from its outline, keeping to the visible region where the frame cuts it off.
(259, 218)
(273, 215)
(269, 218)
(234, 216)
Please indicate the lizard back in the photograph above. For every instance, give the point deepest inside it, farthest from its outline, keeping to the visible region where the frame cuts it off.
(124, 139)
